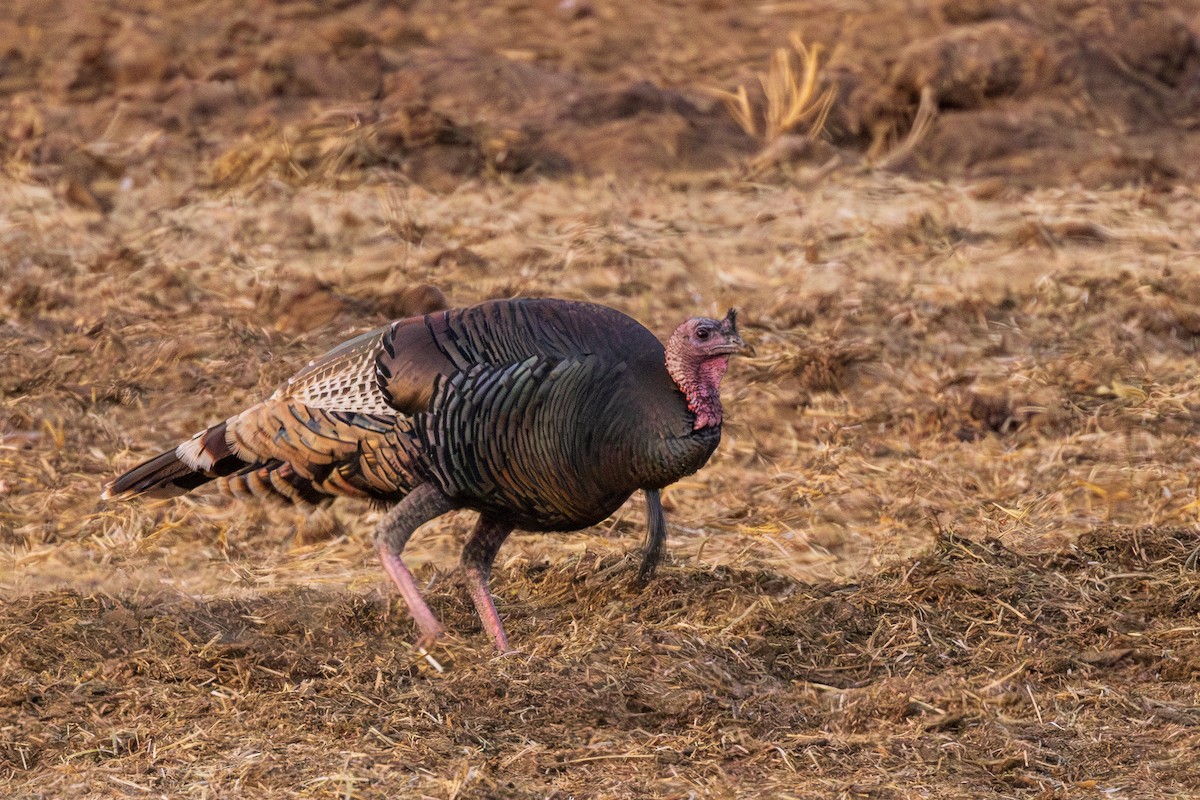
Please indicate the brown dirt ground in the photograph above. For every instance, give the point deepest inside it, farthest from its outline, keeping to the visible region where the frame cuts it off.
(948, 547)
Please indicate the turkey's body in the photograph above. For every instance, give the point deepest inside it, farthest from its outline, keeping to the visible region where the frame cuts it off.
(544, 415)
(548, 415)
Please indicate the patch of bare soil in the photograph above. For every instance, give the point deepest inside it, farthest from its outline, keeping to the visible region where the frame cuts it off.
(1060, 92)
(947, 547)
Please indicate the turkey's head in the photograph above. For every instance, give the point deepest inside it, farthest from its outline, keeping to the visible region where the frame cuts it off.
(697, 357)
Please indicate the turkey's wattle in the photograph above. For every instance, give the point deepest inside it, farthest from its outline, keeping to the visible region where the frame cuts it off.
(542, 415)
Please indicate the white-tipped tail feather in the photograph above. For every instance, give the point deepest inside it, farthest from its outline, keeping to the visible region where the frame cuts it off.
(193, 454)
(197, 461)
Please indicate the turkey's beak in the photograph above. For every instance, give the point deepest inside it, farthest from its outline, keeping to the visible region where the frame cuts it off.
(735, 345)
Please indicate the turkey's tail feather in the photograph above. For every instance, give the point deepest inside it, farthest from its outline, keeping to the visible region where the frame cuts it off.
(203, 458)
(282, 451)
(164, 475)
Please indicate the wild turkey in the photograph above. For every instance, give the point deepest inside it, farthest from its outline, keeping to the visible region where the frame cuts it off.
(540, 414)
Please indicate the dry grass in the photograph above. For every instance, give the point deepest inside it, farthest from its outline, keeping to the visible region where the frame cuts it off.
(972, 670)
(922, 123)
(790, 97)
(878, 587)
(334, 148)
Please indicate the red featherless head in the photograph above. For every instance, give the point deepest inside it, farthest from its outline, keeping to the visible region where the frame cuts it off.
(697, 356)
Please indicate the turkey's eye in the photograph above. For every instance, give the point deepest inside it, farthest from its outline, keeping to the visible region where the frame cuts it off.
(703, 334)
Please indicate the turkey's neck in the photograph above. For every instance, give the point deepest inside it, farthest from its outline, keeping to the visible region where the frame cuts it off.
(700, 381)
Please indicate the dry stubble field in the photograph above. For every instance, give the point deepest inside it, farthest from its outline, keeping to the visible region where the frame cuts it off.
(947, 547)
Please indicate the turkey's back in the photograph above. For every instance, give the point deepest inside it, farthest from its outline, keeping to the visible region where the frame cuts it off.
(553, 414)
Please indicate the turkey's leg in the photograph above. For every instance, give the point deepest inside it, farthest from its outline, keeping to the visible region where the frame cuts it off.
(478, 554)
(420, 505)
(656, 535)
